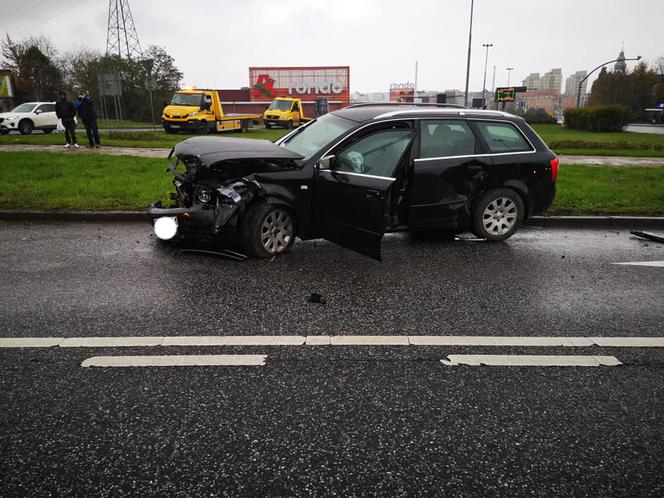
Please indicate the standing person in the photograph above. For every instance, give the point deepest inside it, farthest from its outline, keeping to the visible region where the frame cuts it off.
(86, 111)
(66, 111)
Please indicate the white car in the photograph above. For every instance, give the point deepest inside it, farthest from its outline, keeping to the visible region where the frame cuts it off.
(29, 116)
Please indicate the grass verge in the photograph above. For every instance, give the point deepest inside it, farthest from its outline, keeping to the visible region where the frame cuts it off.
(147, 139)
(92, 182)
(585, 143)
(124, 123)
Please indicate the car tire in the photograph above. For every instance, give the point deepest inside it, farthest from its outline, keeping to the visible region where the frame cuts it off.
(170, 130)
(290, 125)
(4, 132)
(48, 130)
(25, 127)
(268, 230)
(202, 128)
(268, 126)
(498, 214)
(244, 126)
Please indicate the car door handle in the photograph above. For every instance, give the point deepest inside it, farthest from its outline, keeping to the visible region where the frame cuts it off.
(374, 195)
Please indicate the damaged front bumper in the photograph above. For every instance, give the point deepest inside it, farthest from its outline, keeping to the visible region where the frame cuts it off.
(202, 220)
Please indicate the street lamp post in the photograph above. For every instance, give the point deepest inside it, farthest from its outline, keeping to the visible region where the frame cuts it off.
(509, 73)
(578, 93)
(486, 63)
(470, 39)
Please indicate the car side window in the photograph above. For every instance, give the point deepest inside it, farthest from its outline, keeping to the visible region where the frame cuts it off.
(377, 154)
(503, 137)
(442, 138)
(47, 108)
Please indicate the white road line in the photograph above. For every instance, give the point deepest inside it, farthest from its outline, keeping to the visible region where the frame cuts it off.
(175, 361)
(531, 360)
(102, 342)
(498, 341)
(629, 342)
(369, 340)
(653, 264)
(29, 342)
(325, 340)
(235, 340)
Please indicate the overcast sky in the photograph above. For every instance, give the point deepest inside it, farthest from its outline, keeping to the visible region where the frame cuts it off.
(214, 42)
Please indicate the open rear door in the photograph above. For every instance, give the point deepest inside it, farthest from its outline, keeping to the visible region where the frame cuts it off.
(352, 190)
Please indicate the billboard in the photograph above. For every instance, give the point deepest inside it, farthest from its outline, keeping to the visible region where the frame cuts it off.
(306, 83)
(6, 89)
(402, 92)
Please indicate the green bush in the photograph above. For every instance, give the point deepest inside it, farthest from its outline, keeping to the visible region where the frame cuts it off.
(601, 118)
(536, 116)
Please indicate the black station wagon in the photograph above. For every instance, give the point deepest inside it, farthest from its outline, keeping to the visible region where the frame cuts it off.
(354, 174)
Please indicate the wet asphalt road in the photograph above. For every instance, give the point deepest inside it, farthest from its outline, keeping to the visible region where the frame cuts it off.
(329, 421)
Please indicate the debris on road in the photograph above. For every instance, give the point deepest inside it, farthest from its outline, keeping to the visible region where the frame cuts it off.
(648, 236)
(316, 298)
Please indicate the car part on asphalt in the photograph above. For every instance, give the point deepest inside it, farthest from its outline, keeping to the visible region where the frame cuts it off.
(225, 253)
(314, 297)
(648, 236)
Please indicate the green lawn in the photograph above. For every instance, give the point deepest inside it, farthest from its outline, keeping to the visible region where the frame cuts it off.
(79, 181)
(124, 123)
(148, 138)
(575, 142)
(609, 190)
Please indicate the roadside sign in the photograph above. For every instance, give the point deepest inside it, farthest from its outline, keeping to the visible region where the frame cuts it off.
(150, 83)
(521, 103)
(505, 94)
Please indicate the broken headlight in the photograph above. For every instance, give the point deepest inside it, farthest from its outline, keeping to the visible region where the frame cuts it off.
(204, 196)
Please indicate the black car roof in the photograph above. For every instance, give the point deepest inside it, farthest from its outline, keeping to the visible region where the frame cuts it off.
(362, 113)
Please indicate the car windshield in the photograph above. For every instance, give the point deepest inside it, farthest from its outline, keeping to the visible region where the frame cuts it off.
(24, 108)
(193, 99)
(312, 138)
(280, 105)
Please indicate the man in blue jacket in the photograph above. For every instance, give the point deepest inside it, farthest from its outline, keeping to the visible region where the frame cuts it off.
(86, 111)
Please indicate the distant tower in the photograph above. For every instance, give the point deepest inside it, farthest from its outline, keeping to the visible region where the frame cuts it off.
(121, 38)
(620, 65)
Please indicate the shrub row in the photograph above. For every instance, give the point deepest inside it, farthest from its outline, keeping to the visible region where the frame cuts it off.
(597, 118)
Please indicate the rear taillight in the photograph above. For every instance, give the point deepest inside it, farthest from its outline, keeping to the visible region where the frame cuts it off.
(554, 169)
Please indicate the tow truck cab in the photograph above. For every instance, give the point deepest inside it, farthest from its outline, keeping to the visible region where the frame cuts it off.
(200, 111)
(284, 111)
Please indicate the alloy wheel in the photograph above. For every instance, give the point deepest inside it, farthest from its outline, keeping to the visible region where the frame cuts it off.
(500, 216)
(277, 231)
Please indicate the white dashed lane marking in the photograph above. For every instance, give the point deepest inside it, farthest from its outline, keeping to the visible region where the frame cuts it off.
(216, 360)
(531, 360)
(653, 264)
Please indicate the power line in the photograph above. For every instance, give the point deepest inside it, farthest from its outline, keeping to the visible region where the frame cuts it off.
(18, 13)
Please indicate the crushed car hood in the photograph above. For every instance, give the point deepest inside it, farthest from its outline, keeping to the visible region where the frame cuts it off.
(211, 150)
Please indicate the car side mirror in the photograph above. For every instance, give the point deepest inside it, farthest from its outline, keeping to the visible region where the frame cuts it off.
(205, 106)
(326, 162)
(38, 111)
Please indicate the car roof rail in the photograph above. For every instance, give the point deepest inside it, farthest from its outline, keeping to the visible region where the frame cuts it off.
(406, 104)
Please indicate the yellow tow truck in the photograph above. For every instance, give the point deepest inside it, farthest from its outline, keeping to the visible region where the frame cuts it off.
(284, 111)
(199, 111)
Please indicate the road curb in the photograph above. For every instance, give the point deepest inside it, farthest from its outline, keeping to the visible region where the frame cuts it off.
(110, 216)
(547, 221)
(596, 221)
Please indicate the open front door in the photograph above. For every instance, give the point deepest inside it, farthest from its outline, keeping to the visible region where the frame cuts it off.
(353, 187)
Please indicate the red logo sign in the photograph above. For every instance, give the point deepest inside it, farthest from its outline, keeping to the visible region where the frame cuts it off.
(264, 86)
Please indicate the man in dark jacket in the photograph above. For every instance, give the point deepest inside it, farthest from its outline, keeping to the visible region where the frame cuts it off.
(66, 112)
(86, 111)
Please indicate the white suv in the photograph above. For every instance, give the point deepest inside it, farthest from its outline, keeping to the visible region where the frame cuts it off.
(29, 116)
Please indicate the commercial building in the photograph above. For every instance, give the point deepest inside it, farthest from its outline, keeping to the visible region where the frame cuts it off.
(532, 82)
(553, 80)
(572, 83)
(310, 84)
